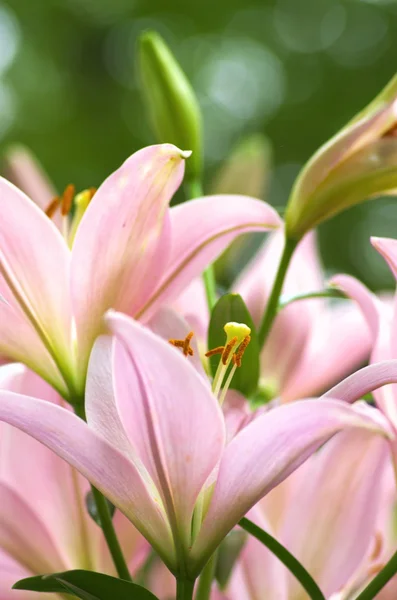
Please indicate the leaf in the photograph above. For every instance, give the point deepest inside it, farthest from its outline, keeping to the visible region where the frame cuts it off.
(86, 585)
(231, 307)
(292, 564)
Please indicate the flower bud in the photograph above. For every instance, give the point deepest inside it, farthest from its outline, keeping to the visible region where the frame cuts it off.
(358, 163)
(173, 108)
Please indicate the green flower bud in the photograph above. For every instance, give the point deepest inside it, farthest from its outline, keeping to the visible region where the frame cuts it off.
(358, 163)
(173, 108)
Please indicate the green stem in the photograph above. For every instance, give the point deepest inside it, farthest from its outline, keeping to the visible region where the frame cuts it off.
(328, 293)
(272, 304)
(379, 582)
(206, 578)
(194, 190)
(184, 589)
(107, 523)
(292, 564)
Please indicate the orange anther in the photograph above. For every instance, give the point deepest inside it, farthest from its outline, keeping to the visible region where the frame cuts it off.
(52, 207)
(214, 351)
(184, 344)
(238, 355)
(67, 199)
(228, 348)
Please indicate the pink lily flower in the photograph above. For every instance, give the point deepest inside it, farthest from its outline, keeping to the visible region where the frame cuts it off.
(313, 343)
(154, 441)
(44, 524)
(128, 251)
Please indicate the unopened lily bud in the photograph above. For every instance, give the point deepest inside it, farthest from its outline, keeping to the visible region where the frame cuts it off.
(358, 163)
(173, 108)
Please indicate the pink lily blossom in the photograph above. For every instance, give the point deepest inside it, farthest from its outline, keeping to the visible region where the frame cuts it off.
(126, 250)
(313, 343)
(44, 524)
(154, 441)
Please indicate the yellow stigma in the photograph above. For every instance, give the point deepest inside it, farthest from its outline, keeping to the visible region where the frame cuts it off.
(236, 330)
(81, 203)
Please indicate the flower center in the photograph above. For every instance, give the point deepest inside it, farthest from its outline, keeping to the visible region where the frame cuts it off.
(72, 208)
(237, 339)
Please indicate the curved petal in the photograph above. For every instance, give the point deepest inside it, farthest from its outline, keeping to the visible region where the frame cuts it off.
(24, 536)
(20, 342)
(170, 415)
(380, 322)
(387, 247)
(50, 487)
(331, 518)
(201, 229)
(11, 571)
(34, 261)
(265, 576)
(265, 452)
(116, 249)
(364, 381)
(124, 483)
(24, 171)
(280, 361)
(340, 342)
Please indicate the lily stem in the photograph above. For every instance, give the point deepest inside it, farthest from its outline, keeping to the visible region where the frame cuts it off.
(194, 189)
(106, 522)
(206, 578)
(184, 589)
(272, 304)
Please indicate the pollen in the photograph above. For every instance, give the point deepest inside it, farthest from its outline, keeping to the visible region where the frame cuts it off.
(52, 207)
(67, 199)
(238, 355)
(184, 344)
(228, 349)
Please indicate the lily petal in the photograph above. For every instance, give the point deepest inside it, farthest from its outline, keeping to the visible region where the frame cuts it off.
(201, 230)
(265, 452)
(34, 261)
(335, 507)
(116, 248)
(364, 381)
(170, 415)
(123, 482)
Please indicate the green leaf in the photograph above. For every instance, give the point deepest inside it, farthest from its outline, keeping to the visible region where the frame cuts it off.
(231, 307)
(86, 585)
(292, 564)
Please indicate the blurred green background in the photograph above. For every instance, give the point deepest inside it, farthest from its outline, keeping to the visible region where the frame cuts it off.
(295, 70)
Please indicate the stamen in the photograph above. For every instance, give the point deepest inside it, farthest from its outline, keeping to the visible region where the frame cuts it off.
(67, 199)
(228, 349)
(52, 207)
(214, 351)
(238, 355)
(184, 344)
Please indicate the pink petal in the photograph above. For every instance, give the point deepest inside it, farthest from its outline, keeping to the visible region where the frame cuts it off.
(124, 483)
(338, 344)
(24, 536)
(50, 487)
(388, 249)
(265, 576)
(19, 341)
(11, 571)
(170, 415)
(24, 171)
(330, 521)
(201, 230)
(265, 452)
(295, 323)
(34, 260)
(121, 245)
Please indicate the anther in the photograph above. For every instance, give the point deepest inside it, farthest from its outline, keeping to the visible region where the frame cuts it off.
(184, 344)
(217, 350)
(238, 355)
(67, 199)
(52, 207)
(228, 348)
